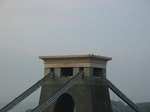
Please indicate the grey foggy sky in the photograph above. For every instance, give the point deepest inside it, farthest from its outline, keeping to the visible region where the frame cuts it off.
(115, 28)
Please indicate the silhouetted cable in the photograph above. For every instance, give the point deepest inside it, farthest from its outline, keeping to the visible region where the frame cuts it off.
(123, 97)
(27, 92)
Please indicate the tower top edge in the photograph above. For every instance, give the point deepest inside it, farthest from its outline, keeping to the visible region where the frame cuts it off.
(75, 56)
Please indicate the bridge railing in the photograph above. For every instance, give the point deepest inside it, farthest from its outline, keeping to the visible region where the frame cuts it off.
(123, 97)
(27, 93)
(58, 93)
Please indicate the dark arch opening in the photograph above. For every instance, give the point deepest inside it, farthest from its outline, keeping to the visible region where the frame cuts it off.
(65, 103)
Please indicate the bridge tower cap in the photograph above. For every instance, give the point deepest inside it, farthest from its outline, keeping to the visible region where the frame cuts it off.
(75, 61)
(75, 56)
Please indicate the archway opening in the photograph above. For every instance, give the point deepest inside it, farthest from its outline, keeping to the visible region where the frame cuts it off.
(64, 103)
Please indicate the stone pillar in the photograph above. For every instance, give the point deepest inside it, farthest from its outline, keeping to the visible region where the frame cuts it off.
(88, 72)
(47, 70)
(104, 73)
(90, 93)
(57, 72)
(75, 70)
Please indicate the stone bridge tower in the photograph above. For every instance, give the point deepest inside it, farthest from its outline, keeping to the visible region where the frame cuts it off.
(90, 93)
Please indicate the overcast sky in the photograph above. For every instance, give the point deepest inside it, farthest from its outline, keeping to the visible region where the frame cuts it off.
(115, 28)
